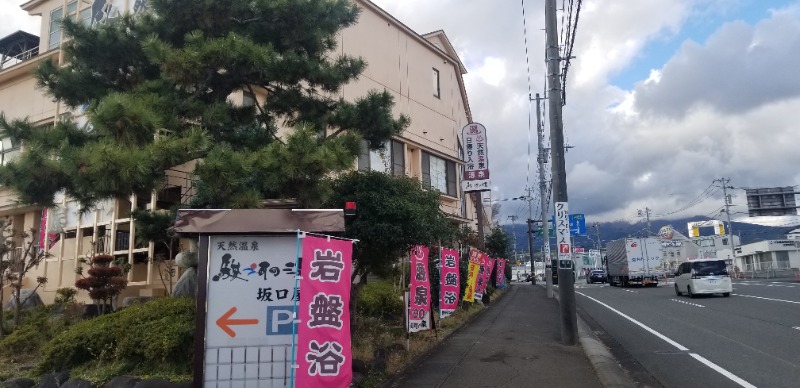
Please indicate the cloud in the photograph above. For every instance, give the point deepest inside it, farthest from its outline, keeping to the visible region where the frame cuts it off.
(13, 19)
(739, 68)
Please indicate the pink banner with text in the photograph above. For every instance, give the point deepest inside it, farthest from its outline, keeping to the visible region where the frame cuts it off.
(419, 311)
(450, 282)
(324, 355)
(501, 273)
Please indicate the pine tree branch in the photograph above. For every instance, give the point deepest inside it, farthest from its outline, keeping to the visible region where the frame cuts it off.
(263, 114)
(246, 21)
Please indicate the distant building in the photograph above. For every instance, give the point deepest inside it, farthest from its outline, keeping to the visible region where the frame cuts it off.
(769, 255)
(793, 235)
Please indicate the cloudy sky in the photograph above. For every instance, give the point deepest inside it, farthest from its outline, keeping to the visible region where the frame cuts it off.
(663, 97)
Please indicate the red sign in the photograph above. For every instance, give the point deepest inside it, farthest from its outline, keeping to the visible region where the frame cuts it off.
(450, 282)
(563, 248)
(419, 311)
(324, 355)
(485, 276)
(577, 250)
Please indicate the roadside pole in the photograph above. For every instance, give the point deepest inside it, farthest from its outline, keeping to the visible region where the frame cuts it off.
(548, 273)
(566, 283)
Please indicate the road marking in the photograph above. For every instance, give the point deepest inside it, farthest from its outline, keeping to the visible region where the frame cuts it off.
(796, 328)
(761, 297)
(696, 356)
(685, 302)
(629, 291)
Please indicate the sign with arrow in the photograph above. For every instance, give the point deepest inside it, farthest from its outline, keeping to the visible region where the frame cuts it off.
(251, 290)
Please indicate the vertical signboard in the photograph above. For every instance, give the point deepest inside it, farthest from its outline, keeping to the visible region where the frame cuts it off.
(562, 235)
(476, 158)
(484, 277)
(324, 356)
(251, 297)
(420, 310)
(501, 273)
(450, 282)
(473, 273)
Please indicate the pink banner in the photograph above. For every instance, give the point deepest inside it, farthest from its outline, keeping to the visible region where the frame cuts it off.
(419, 311)
(450, 282)
(501, 273)
(324, 355)
(484, 277)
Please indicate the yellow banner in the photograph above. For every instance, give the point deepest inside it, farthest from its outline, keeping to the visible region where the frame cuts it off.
(472, 277)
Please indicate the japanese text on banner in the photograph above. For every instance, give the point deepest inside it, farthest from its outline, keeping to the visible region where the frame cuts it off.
(501, 273)
(485, 276)
(562, 232)
(473, 272)
(419, 311)
(324, 355)
(450, 282)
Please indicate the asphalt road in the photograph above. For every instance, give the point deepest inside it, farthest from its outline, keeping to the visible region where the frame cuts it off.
(751, 339)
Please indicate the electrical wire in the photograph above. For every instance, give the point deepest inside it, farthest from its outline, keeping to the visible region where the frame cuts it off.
(708, 192)
(568, 56)
(528, 69)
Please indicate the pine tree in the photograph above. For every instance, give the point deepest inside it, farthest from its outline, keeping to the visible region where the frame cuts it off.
(157, 86)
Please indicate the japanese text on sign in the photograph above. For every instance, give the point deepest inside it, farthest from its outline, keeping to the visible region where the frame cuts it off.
(419, 310)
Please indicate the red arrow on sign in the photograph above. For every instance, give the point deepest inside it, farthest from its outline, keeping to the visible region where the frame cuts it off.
(224, 321)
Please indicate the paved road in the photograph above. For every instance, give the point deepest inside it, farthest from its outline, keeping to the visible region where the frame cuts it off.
(749, 339)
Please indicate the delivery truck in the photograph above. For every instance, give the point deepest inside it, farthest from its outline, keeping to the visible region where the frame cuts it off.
(634, 261)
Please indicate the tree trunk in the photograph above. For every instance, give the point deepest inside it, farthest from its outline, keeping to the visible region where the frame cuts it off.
(356, 288)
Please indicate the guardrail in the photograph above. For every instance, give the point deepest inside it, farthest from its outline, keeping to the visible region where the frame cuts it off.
(9, 61)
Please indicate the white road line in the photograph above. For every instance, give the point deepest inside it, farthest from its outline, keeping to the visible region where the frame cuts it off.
(685, 302)
(775, 300)
(630, 291)
(698, 357)
(722, 371)
(796, 327)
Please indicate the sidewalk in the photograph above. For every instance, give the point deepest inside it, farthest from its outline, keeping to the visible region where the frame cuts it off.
(515, 343)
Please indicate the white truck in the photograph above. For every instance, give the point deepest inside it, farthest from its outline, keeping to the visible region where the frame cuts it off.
(634, 261)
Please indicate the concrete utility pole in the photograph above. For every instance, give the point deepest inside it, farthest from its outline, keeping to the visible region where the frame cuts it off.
(530, 236)
(514, 232)
(477, 197)
(646, 213)
(727, 200)
(542, 159)
(566, 282)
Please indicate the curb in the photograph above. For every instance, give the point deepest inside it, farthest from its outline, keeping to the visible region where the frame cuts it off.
(608, 369)
(414, 362)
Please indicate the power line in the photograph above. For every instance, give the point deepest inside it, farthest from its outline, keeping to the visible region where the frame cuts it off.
(528, 68)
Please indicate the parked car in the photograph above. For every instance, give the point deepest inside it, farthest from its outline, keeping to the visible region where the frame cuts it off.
(596, 275)
(708, 276)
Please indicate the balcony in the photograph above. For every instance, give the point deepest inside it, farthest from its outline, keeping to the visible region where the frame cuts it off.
(17, 48)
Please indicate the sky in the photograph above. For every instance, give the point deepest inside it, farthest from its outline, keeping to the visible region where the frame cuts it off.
(662, 98)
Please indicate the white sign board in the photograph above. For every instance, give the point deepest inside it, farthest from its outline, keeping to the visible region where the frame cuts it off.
(476, 158)
(562, 235)
(250, 301)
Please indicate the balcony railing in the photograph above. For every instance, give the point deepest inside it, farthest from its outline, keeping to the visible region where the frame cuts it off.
(9, 61)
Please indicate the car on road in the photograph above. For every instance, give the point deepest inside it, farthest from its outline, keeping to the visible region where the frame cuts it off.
(707, 276)
(596, 276)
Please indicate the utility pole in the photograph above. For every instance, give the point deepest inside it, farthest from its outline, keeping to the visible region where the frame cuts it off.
(530, 236)
(646, 213)
(477, 197)
(597, 229)
(566, 282)
(542, 159)
(514, 233)
(727, 199)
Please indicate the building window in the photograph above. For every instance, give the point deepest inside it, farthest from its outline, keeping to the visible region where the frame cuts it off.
(390, 159)
(9, 151)
(248, 99)
(55, 27)
(85, 16)
(782, 258)
(439, 174)
(436, 84)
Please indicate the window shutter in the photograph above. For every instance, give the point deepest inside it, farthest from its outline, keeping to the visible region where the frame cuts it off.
(451, 178)
(426, 170)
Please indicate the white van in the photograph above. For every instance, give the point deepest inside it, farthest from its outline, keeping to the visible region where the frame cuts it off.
(708, 276)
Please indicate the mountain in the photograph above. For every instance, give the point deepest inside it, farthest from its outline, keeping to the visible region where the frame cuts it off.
(610, 231)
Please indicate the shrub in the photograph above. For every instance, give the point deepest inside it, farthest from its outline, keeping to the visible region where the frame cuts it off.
(380, 300)
(65, 295)
(25, 339)
(159, 333)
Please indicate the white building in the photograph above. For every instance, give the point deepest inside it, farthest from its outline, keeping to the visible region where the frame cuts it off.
(772, 256)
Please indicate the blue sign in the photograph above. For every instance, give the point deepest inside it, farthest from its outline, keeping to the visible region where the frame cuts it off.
(577, 224)
(279, 320)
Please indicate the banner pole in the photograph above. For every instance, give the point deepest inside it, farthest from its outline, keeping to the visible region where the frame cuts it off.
(300, 236)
